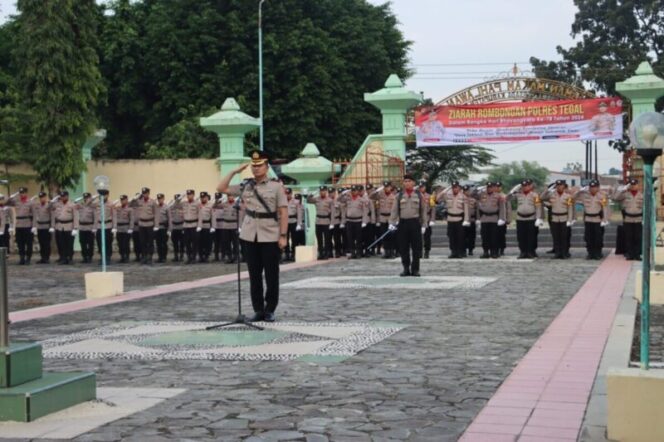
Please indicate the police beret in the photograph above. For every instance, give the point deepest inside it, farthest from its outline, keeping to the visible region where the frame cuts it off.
(455, 184)
(218, 195)
(145, 190)
(633, 181)
(489, 184)
(408, 177)
(64, 193)
(204, 194)
(593, 183)
(123, 197)
(354, 187)
(22, 190)
(369, 186)
(103, 192)
(526, 182)
(297, 196)
(289, 190)
(160, 195)
(321, 188)
(258, 158)
(498, 184)
(86, 195)
(560, 182)
(41, 194)
(386, 183)
(466, 187)
(360, 187)
(190, 192)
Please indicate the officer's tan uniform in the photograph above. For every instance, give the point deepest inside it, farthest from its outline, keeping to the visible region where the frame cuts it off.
(631, 204)
(123, 222)
(42, 215)
(528, 211)
(64, 221)
(490, 209)
(324, 207)
(457, 214)
(595, 212)
(259, 225)
(410, 213)
(109, 215)
(86, 221)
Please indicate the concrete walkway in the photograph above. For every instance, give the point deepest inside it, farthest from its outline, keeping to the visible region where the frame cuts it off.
(545, 396)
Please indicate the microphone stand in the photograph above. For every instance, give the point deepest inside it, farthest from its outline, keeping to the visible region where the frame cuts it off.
(240, 319)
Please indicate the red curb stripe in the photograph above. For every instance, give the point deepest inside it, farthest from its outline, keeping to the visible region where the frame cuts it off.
(84, 304)
(547, 392)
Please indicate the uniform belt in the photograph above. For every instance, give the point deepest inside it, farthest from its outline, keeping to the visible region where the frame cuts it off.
(85, 224)
(526, 215)
(228, 220)
(146, 219)
(482, 212)
(633, 215)
(64, 220)
(292, 217)
(163, 224)
(258, 215)
(43, 222)
(455, 214)
(559, 213)
(353, 218)
(206, 222)
(323, 216)
(191, 220)
(592, 214)
(123, 224)
(385, 214)
(178, 223)
(23, 217)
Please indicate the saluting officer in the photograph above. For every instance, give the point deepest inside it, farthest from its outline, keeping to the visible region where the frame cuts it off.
(355, 216)
(42, 213)
(175, 223)
(457, 218)
(407, 218)
(631, 204)
(430, 217)
(528, 217)
(264, 232)
(4, 222)
(561, 209)
(470, 230)
(295, 219)
(86, 221)
(324, 206)
(385, 198)
(190, 209)
(148, 223)
(123, 223)
(65, 224)
(23, 225)
(490, 216)
(228, 225)
(109, 215)
(204, 228)
(595, 217)
(161, 235)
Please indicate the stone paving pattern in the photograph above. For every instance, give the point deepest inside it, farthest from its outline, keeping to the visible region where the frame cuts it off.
(425, 383)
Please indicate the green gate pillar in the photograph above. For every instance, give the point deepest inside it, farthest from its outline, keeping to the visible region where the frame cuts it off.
(230, 124)
(311, 171)
(394, 101)
(86, 153)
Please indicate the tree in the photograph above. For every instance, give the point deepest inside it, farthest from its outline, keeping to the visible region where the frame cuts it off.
(614, 171)
(513, 173)
(614, 36)
(59, 82)
(446, 164)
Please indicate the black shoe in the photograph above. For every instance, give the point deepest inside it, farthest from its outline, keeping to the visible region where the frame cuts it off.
(27, 260)
(452, 256)
(551, 251)
(257, 317)
(533, 255)
(405, 273)
(470, 252)
(568, 255)
(415, 273)
(42, 261)
(426, 254)
(495, 256)
(589, 256)
(22, 261)
(522, 256)
(270, 317)
(502, 252)
(485, 255)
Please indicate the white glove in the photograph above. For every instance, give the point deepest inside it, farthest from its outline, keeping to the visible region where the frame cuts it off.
(364, 225)
(392, 227)
(604, 223)
(424, 229)
(11, 230)
(114, 231)
(74, 232)
(501, 222)
(198, 229)
(239, 230)
(2, 233)
(466, 223)
(569, 223)
(298, 228)
(51, 230)
(156, 229)
(130, 231)
(34, 230)
(573, 222)
(539, 223)
(478, 223)
(168, 232)
(432, 223)
(377, 224)
(212, 230)
(341, 226)
(94, 231)
(331, 227)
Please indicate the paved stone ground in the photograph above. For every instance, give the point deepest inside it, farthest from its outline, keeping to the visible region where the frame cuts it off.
(425, 383)
(40, 285)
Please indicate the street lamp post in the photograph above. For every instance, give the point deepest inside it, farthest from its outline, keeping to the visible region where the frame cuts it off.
(260, 69)
(647, 134)
(102, 183)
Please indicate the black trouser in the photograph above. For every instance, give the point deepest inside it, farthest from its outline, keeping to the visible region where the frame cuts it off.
(489, 233)
(526, 236)
(560, 238)
(217, 241)
(368, 236)
(147, 242)
(470, 235)
(108, 236)
(4, 239)
(354, 237)
(24, 241)
(44, 238)
(204, 243)
(177, 238)
(229, 243)
(426, 239)
(136, 240)
(387, 243)
(409, 237)
(65, 243)
(338, 239)
(123, 245)
(324, 240)
(190, 242)
(502, 237)
(594, 236)
(161, 241)
(633, 233)
(263, 257)
(455, 236)
(87, 240)
(290, 240)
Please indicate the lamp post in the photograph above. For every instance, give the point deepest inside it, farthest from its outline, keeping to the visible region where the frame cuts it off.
(260, 69)
(647, 134)
(102, 183)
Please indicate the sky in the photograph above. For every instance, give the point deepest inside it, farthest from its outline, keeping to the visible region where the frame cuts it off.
(456, 44)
